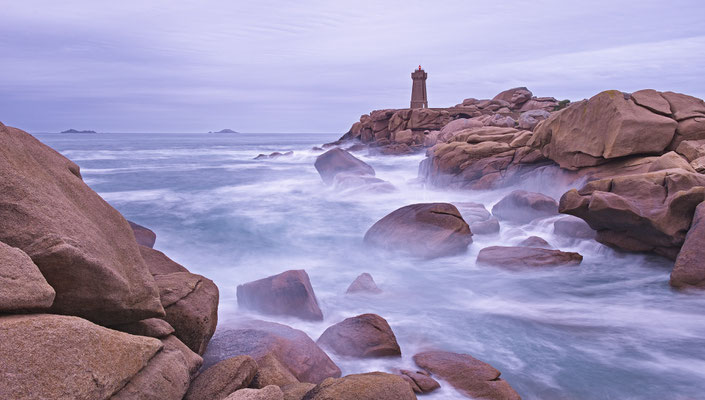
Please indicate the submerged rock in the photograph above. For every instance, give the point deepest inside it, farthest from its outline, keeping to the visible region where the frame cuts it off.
(423, 230)
(275, 154)
(535, 241)
(144, 236)
(420, 381)
(291, 348)
(523, 207)
(23, 288)
(222, 379)
(366, 335)
(369, 386)
(689, 269)
(363, 284)
(288, 293)
(573, 227)
(337, 160)
(84, 248)
(506, 256)
(467, 374)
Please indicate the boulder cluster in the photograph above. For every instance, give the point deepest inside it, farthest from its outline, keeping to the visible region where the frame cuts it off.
(636, 161)
(88, 309)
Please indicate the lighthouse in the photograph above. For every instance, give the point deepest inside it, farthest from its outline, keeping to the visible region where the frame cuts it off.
(418, 89)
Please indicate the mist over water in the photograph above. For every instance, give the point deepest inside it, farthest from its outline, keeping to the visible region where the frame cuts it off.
(610, 328)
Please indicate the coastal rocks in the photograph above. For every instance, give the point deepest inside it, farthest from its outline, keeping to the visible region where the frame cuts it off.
(691, 149)
(420, 381)
(84, 248)
(424, 230)
(467, 374)
(275, 154)
(523, 207)
(418, 119)
(480, 220)
(689, 269)
(643, 212)
(448, 131)
(59, 357)
(535, 241)
(152, 327)
(670, 160)
(144, 236)
(158, 263)
(609, 125)
(288, 293)
(296, 391)
(191, 304)
(292, 348)
(361, 183)
(573, 227)
(23, 288)
(336, 160)
(270, 392)
(529, 119)
(516, 97)
(507, 256)
(363, 284)
(369, 386)
(366, 335)
(222, 379)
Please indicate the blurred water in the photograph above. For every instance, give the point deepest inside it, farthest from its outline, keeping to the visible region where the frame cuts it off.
(608, 329)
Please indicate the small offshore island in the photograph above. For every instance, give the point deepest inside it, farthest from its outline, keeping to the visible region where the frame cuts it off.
(77, 131)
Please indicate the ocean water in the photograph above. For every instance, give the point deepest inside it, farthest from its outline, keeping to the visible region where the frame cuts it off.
(608, 329)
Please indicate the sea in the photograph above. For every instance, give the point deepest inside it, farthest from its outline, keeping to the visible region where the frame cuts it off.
(610, 328)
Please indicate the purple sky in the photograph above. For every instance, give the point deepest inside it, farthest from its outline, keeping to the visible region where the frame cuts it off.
(315, 66)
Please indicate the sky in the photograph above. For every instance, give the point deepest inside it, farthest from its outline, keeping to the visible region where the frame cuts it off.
(316, 66)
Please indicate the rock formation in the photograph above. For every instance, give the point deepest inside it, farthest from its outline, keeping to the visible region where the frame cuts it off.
(288, 293)
(366, 335)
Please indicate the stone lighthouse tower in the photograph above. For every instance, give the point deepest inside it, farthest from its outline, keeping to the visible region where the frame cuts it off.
(418, 90)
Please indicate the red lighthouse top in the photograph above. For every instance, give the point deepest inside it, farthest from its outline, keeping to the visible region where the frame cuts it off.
(419, 67)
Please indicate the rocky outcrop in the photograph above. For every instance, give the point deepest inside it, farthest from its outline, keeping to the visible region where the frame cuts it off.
(288, 293)
(275, 154)
(609, 125)
(467, 374)
(143, 236)
(529, 119)
(366, 336)
(535, 241)
(369, 386)
(296, 391)
(516, 97)
(423, 230)
(644, 212)
(363, 284)
(152, 327)
(292, 348)
(689, 269)
(62, 357)
(336, 160)
(23, 286)
(515, 257)
(222, 379)
(83, 247)
(523, 207)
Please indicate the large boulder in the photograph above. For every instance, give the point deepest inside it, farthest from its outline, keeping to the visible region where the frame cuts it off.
(643, 212)
(449, 130)
(366, 335)
(607, 126)
(467, 374)
(223, 378)
(158, 262)
(369, 386)
(152, 327)
(292, 348)
(47, 356)
(516, 97)
(84, 248)
(166, 376)
(424, 230)
(520, 256)
(522, 206)
(144, 236)
(23, 286)
(337, 160)
(288, 293)
(270, 392)
(689, 269)
(191, 304)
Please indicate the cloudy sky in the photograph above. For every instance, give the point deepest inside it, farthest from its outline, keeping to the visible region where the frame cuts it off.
(315, 66)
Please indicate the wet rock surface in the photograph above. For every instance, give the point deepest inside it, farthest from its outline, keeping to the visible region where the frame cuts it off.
(366, 335)
(523, 207)
(369, 386)
(288, 293)
(516, 257)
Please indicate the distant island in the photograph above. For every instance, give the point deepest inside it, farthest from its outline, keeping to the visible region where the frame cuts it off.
(76, 131)
(225, 131)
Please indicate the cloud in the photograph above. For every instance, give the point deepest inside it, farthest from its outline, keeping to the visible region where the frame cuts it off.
(316, 65)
